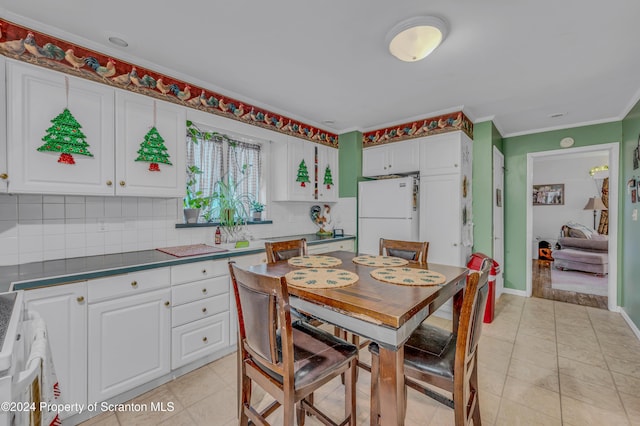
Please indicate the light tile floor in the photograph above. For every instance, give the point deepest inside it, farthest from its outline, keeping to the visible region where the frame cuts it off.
(541, 363)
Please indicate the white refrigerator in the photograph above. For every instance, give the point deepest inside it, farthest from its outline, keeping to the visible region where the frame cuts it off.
(387, 208)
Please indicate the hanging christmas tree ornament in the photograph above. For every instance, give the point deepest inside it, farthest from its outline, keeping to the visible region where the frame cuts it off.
(153, 150)
(65, 137)
(303, 174)
(328, 178)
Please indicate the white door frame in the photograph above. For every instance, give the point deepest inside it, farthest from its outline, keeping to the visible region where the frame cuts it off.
(498, 239)
(613, 150)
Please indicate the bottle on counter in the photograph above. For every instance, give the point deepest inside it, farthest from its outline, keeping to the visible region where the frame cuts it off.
(218, 238)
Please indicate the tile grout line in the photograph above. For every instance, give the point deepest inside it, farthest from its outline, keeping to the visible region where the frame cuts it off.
(555, 329)
(624, 407)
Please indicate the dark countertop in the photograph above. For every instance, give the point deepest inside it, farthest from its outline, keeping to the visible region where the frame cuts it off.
(51, 272)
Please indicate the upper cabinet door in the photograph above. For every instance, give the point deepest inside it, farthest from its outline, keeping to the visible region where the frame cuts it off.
(4, 175)
(375, 161)
(36, 97)
(327, 173)
(442, 154)
(392, 158)
(293, 170)
(404, 157)
(149, 163)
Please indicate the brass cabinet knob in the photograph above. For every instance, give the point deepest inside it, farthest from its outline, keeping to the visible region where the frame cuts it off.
(204, 339)
(167, 303)
(204, 291)
(204, 310)
(4, 176)
(122, 183)
(109, 183)
(134, 284)
(80, 299)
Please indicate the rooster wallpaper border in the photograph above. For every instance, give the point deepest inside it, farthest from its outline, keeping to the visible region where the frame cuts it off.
(33, 47)
(415, 129)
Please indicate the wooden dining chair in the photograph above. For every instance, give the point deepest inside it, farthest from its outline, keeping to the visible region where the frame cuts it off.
(289, 360)
(283, 250)
(447, 360)
(409, 250)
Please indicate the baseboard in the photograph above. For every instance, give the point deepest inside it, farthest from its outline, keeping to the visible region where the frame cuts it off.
(634, 328)
(512, 291)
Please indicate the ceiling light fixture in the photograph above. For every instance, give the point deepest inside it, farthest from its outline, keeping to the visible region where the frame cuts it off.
(415, 38)
(118, 41)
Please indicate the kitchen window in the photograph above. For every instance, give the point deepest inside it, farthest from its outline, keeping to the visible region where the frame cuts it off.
(220, 157)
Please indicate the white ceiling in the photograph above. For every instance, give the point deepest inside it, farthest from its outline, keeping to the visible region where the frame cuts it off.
(514, 61)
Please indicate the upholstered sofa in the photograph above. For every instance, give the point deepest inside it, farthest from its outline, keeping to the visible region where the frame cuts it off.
(581, 251)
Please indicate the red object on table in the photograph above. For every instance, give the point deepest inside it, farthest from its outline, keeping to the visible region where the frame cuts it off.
(475, 264)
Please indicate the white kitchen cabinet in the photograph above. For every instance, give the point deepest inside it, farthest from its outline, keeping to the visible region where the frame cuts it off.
(114, 122)
(344, 245)
(445, 197)
(327, 163)
(391, 158)
(444, 153)
(4, 174)
(200, 316)
(287, 160)
(35, 96)
(64, 310)
(129, 340)
(135, 116)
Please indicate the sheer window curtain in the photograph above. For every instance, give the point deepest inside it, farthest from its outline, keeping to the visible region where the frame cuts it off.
(242, 161)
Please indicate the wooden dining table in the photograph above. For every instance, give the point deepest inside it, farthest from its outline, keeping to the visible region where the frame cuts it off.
(382, 312)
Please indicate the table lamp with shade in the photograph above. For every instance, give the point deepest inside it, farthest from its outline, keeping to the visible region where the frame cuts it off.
(595, 203)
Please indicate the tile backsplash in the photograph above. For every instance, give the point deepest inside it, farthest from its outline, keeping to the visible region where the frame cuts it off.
(34, 228)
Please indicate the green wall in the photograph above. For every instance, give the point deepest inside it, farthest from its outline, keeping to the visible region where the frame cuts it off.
(629, 229)
(485, 136)
(515, 203)
(350, 163)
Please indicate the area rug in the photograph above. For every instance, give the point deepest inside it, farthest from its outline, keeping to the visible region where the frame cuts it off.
(580, 282)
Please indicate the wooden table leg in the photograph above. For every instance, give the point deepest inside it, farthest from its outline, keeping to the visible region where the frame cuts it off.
(391, 388)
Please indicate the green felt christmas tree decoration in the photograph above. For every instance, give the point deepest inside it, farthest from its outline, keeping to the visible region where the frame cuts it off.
(65, 137)
(153, 150)
(328, 178)
(303, 174)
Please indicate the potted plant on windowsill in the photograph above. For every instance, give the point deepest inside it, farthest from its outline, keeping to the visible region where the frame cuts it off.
(229, 206)
(194, 202)
(257, 208)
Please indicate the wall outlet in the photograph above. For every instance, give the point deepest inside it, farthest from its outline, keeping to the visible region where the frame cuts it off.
(634, 215)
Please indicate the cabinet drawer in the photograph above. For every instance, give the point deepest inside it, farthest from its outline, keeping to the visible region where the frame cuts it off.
(198, 271)
(198, 339)
(127, 284)
(199, 309)
(199, 290)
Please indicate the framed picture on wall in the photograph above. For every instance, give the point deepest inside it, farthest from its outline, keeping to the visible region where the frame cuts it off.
(636, 160)
(548, 194)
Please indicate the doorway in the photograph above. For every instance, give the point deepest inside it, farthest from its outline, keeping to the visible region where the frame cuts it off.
(544, 222)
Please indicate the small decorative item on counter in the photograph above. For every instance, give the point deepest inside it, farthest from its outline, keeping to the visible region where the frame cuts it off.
(65, 137)
(322, 218)
(218, 238)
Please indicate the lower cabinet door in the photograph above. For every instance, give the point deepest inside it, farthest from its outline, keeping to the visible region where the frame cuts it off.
(64, 310)
(198, 339)
(129, 343)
